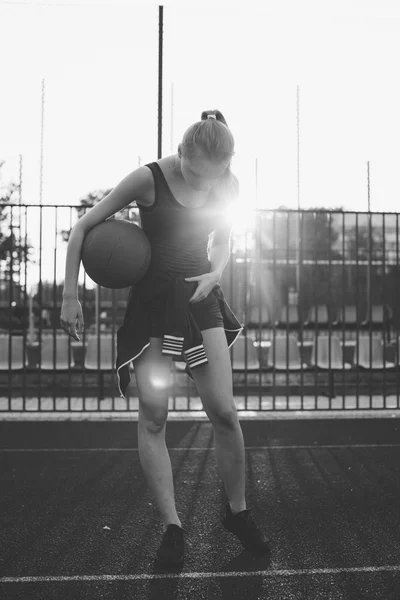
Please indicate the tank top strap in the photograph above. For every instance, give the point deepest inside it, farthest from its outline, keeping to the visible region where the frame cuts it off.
(163, 194)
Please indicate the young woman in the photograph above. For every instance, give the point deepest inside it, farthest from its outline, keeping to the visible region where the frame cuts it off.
(178, 309)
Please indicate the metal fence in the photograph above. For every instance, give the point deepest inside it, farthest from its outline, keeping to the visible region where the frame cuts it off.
(316, 291)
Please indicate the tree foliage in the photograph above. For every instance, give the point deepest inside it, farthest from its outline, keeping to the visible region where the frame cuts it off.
(14, 249)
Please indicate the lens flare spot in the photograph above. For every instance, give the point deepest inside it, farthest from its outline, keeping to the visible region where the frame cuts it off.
(242, 216)
(159, 382)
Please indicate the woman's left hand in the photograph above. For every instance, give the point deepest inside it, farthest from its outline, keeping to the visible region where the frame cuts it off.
(206, 283)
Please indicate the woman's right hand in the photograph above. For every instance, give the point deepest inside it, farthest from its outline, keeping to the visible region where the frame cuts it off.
(71, 317)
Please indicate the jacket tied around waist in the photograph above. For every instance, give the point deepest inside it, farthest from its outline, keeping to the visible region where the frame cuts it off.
(182, 338)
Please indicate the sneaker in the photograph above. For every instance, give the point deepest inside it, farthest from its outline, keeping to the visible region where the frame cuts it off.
(242, 525)
(171, 550)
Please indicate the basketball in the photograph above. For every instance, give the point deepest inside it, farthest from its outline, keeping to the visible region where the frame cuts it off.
(116, 254)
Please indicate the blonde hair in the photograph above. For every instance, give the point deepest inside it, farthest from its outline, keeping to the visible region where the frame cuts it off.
(214, 138)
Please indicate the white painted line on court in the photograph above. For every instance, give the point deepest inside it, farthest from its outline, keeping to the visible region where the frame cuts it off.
(210, 575)
(186, 448)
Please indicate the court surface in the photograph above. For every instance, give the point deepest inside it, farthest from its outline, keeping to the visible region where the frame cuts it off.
(77, 520)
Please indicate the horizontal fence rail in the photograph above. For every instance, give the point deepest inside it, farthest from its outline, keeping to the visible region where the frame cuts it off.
(316, 291)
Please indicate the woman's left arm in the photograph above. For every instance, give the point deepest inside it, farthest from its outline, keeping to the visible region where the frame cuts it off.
(219, 253)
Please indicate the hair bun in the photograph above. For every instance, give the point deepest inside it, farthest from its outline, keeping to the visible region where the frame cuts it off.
(218, 115)
(205, 113)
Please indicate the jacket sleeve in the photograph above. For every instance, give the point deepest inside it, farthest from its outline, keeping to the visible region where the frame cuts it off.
(182, 336)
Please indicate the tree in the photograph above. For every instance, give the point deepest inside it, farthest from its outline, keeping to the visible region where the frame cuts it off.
(14, 251)
(319, 277)
(363, 244)
(318, 236)
(299, 248)
(366, 273)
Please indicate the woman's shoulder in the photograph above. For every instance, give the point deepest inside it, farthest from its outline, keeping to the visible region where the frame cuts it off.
(147, 196)
(167, 165)
(153, 169)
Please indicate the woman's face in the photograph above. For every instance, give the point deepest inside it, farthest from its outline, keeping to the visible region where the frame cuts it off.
(199, 172)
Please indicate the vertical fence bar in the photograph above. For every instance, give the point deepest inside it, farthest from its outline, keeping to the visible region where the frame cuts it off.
(26, 354)
(314, 277)
(54, 333)
(396, 320)
(369, 304)
(87, 315)
(383, 298)
(299, 256)
(274, 319)
(343, 304)
(357, 314)
(70, 350)
(84, 341)
(21, 261)
(69, 337)
(39, 304)
(246, 320)
(329, 309)
(113, 357)
(288, 329)
(9, 277)
(98, 343)
(258, 262)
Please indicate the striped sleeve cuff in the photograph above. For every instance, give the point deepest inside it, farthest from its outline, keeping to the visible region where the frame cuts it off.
(172, 345)
(196, 356)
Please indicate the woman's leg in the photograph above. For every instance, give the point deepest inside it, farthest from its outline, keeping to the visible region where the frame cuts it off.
(214, 384)
(152, 371)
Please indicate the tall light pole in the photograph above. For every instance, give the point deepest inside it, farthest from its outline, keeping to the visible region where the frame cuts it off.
(298, 194)
(40, 210)
(369, 188)
(298, 148)
(172, 117)
(160, 76)
(41, 146)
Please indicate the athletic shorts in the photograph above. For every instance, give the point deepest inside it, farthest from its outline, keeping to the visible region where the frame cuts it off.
(206, 313)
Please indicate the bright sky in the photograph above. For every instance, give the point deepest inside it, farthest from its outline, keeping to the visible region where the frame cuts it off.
(99, 61)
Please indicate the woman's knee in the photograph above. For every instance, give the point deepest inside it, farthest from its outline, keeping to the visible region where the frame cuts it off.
(152, 372)
(153, 417)
(223, 416)
(153, 406)
(152, 369)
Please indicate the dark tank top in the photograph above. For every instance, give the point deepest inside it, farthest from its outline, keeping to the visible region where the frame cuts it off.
(178, 235)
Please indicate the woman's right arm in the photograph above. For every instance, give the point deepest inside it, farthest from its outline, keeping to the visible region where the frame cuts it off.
(138, 185)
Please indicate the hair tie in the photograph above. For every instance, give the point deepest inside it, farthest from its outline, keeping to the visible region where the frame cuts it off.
(211, 117)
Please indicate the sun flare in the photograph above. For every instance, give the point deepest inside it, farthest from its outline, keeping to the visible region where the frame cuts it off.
(242, 216)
